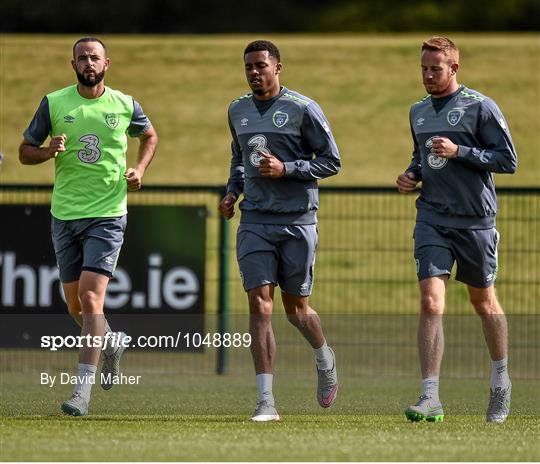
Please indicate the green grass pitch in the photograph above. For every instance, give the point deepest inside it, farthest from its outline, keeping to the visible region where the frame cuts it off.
(206, 418)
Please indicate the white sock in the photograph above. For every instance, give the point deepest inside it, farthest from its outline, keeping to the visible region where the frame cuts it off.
(499, 374)
(264, 385)
(86, 377)
(324, 358)
(430, 388)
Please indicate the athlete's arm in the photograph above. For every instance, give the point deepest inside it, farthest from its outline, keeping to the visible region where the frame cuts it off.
(147, 148)
(270, 166)
(415, 166)
(497, 152)
(226, 205)
(318, 137)
(235, 183)
(31, 150)
(32, 154)
(407, 181)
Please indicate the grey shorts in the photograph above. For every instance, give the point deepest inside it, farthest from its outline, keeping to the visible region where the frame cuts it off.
(91, 244)
(474, 250)
(283, 255)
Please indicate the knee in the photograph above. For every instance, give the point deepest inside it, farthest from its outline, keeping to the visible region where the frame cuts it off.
(298, 315)
(260, 305)
(91, 302)
(431, 306)
(486, 307)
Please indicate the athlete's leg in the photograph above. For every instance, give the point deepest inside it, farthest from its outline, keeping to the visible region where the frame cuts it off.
(430, 348)
(476, 257)
(91, 294)
(263, 350)
(307, 321)
(434, 262)
(493, 319)
(495, 330)
(430, 327)
(71, 291)
(263, 343)
(92, 288)
(296, 274)
(304, 318)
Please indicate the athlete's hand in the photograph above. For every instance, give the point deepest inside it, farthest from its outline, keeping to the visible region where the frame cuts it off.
(56, 145)
(406, 182)
(226, 205)
(443, 147)
(133, 178)
(270, 166)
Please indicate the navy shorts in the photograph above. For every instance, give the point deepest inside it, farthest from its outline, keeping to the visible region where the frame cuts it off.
(474, 251)
(283, 255)
(91, 244)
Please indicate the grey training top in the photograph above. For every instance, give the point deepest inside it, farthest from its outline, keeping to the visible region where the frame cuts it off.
(294, 129)
(460, 192)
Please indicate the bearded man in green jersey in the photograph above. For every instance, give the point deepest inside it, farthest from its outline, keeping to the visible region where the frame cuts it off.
(87, 124)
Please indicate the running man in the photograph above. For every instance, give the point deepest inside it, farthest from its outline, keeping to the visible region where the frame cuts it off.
(460, 138)
(88, 123)
(281, 146)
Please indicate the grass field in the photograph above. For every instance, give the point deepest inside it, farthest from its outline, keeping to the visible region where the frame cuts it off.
(182, 411)
(197, 417)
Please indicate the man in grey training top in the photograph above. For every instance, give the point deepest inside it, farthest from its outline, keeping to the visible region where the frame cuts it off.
(282, 145)
(460, 138)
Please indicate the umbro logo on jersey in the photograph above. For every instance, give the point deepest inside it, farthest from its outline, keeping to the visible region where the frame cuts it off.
(244, 121)
(420, 121)
(112, 120)
(69, 118)
(454, 116)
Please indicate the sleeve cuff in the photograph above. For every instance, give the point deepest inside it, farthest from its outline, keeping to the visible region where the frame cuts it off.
(417, 174)
(32, 140)
(290, 168)
(462, 151)
(232, 190)
(143, 131)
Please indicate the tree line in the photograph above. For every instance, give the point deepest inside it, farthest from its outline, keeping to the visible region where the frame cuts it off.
(254, 16)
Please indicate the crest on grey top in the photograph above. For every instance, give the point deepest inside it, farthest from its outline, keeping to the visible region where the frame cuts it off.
(454, 116)
(279, 118)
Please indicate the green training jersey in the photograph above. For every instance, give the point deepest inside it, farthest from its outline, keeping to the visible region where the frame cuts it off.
(89, 175)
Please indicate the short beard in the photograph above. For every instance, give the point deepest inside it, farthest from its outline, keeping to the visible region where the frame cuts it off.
(258, 91)
(90, 83)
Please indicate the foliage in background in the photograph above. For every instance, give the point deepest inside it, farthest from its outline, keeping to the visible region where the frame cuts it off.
(213, 16)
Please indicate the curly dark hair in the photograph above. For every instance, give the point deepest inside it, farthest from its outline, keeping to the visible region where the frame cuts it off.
(263, 45)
